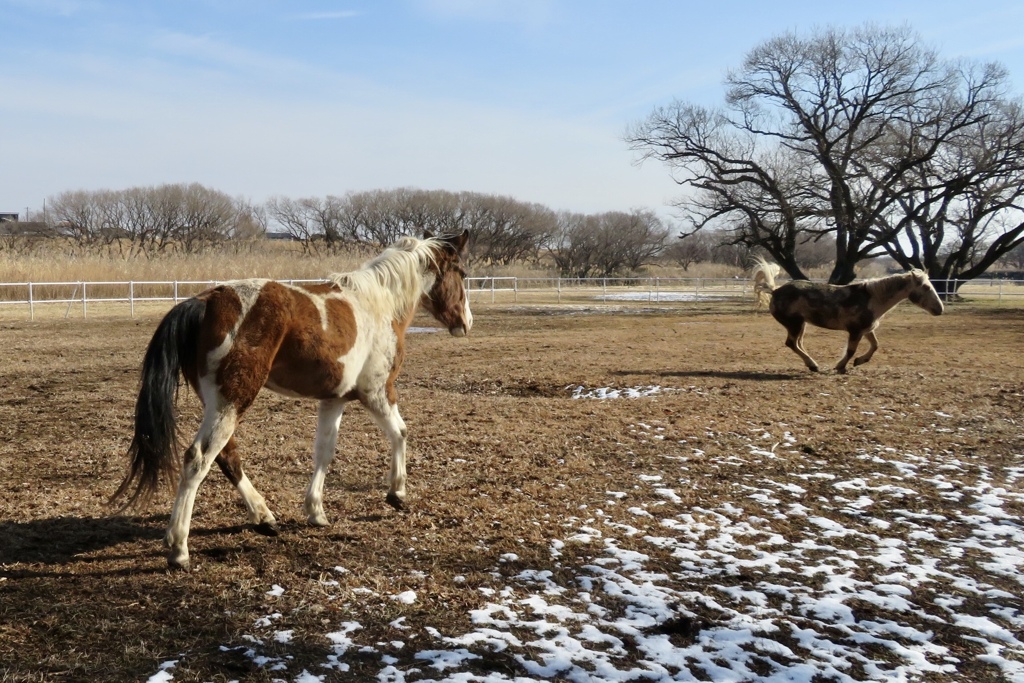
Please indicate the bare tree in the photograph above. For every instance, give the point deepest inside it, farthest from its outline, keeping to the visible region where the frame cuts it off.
(816, 252)
(506, 230)
(1014, 258)
(386, 215)
(962, 210)
(690, 248)
(573, 246)
(820, 135)
(205, 217)
(250, 221)
(300, 218)
(640, 237)
(603, 245)
(78, 215)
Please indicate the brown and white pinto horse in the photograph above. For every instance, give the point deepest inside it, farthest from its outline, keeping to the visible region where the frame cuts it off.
(334, 342)
(856, 308)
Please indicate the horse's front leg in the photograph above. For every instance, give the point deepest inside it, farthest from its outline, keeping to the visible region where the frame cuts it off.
(327, 423)
(387, 417)
(866, 356)
(851, 348)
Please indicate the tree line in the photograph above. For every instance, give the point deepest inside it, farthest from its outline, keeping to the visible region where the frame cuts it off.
(147, 221)
(186, 218)
(150, 221)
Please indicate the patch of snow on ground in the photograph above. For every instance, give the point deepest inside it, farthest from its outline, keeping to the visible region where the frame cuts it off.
(604, 393)
(656, 296)
(667, 593)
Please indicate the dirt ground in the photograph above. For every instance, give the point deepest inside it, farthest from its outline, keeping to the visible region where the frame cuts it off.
(500, 455)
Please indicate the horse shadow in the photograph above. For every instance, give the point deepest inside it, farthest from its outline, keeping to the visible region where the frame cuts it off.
(61, 540)
(719, 374)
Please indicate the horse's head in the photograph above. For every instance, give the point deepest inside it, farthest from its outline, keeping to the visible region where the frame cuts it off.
(447, 299)
(923, 294)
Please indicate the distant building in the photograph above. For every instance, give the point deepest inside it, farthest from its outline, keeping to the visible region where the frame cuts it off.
(16, 228)
(8, 217)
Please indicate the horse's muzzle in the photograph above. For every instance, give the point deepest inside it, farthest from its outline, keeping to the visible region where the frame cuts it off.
(458, 331)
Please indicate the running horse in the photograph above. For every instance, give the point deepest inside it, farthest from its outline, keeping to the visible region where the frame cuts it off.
(856, 308)
(336, 342)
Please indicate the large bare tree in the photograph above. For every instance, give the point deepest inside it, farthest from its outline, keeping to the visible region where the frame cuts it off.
(821, 134)
(962, 210)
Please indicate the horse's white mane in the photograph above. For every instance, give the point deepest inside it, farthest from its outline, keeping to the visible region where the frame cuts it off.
(891, 284)
(391, 283)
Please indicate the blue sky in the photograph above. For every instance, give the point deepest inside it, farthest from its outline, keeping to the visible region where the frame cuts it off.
(528, 98)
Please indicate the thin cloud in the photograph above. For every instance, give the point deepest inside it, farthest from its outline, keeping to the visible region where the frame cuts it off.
(60, 8)
(327, 16)
(205, 48)
(532, 12)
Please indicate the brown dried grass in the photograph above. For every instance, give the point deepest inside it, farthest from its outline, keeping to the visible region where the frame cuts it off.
(500, 458)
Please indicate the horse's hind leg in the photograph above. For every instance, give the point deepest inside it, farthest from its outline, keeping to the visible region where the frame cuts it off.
(866, 356)
(795, 341)
(259, 514)
(327, 423)
(213, 436)
(851, 348)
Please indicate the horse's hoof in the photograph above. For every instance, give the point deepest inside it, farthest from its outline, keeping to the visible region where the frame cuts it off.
(318, 521)
(177, 565)
(841, 371)
(813, 369)
(267, 528)
(395, 502)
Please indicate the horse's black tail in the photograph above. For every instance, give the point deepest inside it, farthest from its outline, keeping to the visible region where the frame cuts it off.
(154, 449)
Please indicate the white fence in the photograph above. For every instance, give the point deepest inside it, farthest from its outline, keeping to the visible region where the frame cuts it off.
(669, 290)
(67, 299)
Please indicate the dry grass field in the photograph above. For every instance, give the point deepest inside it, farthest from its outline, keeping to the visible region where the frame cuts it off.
(595, 494)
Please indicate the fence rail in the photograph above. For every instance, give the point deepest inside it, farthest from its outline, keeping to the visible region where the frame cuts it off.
(64, 299)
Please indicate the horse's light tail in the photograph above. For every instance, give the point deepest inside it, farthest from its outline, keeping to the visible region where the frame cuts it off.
(763, 274)
(154, 448)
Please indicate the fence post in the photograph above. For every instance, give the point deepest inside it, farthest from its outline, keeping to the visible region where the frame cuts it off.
(515, 289)
(71, 302)
(85, 302)
(31, 304)
(131, 296)
(492, 290)
(175, 292)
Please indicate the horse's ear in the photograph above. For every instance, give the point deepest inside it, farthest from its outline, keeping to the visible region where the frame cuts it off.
(460, 241)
